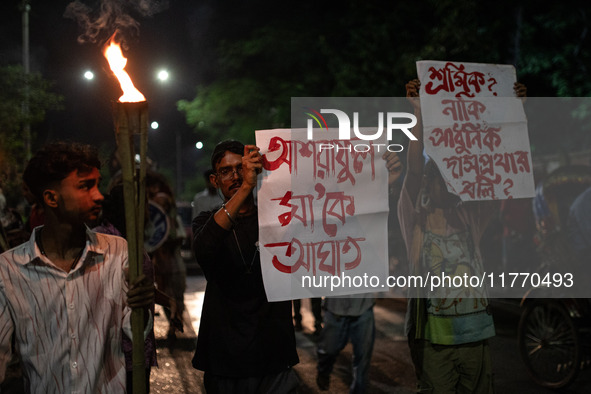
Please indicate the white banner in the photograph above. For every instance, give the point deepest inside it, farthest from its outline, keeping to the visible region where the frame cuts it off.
(475, 129)
(322, 208)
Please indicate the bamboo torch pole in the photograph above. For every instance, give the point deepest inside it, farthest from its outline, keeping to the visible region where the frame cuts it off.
(131, 121)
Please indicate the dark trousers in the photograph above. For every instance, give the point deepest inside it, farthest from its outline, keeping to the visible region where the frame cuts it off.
(285, 382)
(316, 310)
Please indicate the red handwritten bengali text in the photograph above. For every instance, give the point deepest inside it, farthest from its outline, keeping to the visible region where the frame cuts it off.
(488, 164)
(483, 187)
(342, 163)
(463, 110)
(464, 136)
(334, 204)
(331, 256)
(454, 79)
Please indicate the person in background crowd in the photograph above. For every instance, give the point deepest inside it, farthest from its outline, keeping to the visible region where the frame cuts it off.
(351, 319)
(68, 330)
(316, 305)
(12, 228)
(36, 215)
(207, 199)
(346, 318)
(171, 272)
(579, 227)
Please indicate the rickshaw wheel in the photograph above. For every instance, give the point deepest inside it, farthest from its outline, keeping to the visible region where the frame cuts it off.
(549, 343)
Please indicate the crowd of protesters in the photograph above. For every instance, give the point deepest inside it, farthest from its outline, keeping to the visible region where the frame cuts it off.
(65, 298)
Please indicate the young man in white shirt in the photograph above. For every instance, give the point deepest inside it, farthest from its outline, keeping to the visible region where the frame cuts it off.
(64, 297)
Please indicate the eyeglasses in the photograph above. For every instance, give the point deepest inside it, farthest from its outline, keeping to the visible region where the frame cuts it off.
(227, 173)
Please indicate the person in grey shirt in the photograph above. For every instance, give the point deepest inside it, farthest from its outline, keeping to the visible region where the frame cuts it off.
(346, 319)
(208, 198)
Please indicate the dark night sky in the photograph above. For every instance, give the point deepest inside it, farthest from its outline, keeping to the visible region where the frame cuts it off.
(184, 38)
(172, 39)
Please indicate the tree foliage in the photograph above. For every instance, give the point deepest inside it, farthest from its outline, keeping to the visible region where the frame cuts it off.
(360, 48)
(16, 88)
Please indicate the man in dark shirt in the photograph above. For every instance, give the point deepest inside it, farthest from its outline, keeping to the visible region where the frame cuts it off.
(245, 343)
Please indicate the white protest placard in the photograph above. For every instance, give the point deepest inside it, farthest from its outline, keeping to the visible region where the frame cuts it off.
(322, 207)
(475, 129)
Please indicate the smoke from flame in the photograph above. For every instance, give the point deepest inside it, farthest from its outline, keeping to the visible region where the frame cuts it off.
(112, 19)
(98, 24)
(117, 63)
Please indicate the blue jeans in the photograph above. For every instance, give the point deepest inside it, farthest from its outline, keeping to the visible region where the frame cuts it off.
(336, 333)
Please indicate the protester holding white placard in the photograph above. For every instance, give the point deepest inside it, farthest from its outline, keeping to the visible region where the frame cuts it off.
(323, 217)
(447, 328)
(245, 343)
(476, 129)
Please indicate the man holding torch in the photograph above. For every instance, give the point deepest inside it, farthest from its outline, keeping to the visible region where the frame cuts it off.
(63, 300)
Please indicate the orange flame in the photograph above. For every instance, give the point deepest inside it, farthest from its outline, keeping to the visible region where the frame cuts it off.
(117, 63)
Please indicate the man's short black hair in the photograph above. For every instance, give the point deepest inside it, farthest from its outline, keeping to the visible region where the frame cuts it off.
(220, 150)
(55, 161)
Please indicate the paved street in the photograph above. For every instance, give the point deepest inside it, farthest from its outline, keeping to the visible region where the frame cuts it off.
(175, 374)
(391, 366)
(391, 369)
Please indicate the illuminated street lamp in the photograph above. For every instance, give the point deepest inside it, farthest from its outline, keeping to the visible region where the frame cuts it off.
(163, 75)
(199, 145)
(89, 75)
(154, 125)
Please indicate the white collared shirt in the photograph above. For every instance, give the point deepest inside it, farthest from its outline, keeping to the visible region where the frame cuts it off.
(67, 326)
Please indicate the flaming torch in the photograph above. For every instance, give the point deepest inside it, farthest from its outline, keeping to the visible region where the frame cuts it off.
(131, 128)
